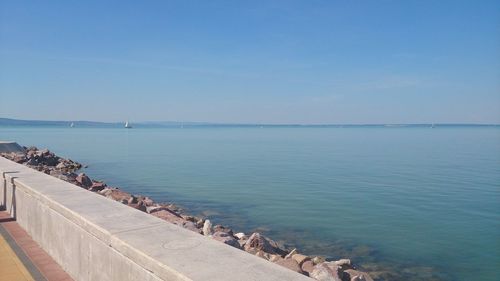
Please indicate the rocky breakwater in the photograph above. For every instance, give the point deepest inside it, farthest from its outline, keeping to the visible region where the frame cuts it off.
(255, 243)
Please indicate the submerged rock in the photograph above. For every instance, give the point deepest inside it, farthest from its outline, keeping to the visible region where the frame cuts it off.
(355, 275)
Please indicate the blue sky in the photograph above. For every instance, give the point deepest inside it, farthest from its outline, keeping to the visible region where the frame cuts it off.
(251, 61)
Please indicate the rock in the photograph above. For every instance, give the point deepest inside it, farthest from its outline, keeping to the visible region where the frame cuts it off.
(19, 158)
(55, 173)
(240, 236)
(139, 206)
(221, 228)
(289, 255)
(290, 264)
(355, 275)
(49, 159)
(242, 244)
(133, 200)
(83, 180)
(32, 162)
(157, 208)
(325, 272)
(118, 195)
(262, 254)
(30, 153)
(344, 263)
(61, 166)
(97, 186)
(318, 260)
(260, 242)
(299, 258)
(207, 228)
(275, 258)
(189, 218)
(169, 216)
(191, 226)
(106, 191)
(147, 201)
(199, 223)
(225, 238)
(307, 266)
(63, 177)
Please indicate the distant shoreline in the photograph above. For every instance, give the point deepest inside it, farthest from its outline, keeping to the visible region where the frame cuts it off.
(8, 122)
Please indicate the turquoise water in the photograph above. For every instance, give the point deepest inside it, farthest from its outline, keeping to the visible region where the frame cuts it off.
(419, 201)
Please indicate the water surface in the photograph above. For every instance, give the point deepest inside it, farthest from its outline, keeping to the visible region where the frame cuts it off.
(421, 202)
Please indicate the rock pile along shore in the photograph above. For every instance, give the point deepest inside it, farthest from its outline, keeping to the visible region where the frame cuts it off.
(257, 244)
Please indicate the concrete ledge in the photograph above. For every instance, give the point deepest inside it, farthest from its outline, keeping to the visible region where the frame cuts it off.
(94, 238)
(10, 146)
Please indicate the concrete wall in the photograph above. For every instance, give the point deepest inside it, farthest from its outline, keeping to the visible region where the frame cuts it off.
(95, 238)
(10, 146)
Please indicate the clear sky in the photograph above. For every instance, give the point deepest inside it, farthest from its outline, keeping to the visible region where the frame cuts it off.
(251, 61)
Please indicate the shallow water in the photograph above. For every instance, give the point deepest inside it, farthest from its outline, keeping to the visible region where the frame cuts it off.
(421, 202)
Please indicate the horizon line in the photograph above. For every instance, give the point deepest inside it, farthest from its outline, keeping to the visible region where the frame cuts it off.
(149, 122)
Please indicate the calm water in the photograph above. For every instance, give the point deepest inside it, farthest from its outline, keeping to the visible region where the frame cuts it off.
(425, 200)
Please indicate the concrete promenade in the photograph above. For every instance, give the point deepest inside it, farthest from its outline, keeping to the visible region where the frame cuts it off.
(95, 238)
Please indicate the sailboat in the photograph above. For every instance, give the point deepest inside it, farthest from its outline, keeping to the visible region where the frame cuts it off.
(127, 125)
(72, 124)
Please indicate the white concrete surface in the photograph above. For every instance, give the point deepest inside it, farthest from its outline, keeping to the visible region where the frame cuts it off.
(95, 238)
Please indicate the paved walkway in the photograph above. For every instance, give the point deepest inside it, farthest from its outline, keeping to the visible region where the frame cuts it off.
(21, 258)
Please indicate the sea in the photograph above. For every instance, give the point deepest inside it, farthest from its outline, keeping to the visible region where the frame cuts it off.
(403, 202)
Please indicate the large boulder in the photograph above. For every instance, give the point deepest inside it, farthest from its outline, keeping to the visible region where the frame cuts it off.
(225, 238)
(83, 180)
(327, 272)
(256, 241)
(167, 215)
(117, 195)
(299, 258)
(139, 206)
(97, 186)
(220, 228)
(191, 226)
(307, 266)
(344, 263)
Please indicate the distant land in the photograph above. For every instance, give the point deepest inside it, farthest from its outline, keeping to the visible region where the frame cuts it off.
(172, 124)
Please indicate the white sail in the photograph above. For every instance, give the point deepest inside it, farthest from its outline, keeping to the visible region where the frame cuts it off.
(127, 125)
